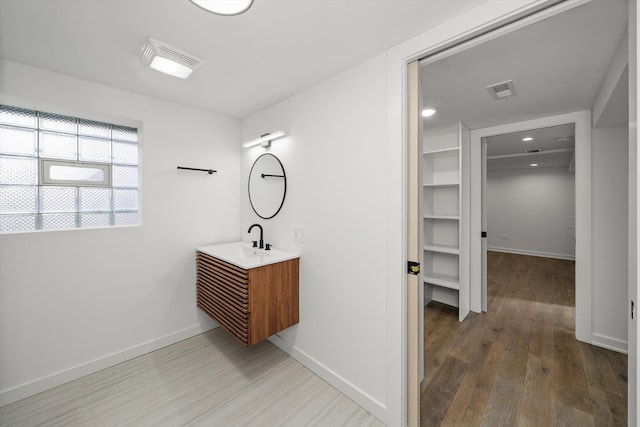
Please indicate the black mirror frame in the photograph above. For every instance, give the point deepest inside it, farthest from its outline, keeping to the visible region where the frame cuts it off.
(284, 194)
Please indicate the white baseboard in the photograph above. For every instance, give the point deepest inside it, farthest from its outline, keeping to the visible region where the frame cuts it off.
(62, 377)
(375, 407)
(610, 343)
(532, 253)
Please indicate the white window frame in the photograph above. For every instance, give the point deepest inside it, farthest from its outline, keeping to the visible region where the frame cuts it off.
(45, 178)
(124, 208)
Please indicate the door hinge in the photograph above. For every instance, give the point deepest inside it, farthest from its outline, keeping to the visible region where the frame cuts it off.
(632, 309)
(413, 267)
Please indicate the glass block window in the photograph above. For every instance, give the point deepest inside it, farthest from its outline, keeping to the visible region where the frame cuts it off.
(61, 172)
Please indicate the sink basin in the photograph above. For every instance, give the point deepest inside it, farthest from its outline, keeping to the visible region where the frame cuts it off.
(250, 251)
(243, 255)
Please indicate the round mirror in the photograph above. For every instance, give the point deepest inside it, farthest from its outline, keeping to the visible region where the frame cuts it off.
(267, 186)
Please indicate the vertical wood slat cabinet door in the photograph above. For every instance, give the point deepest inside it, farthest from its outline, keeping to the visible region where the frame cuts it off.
(414, 305)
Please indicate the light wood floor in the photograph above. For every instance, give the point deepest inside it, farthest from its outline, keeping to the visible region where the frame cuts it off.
(519, 364)
(208, 380)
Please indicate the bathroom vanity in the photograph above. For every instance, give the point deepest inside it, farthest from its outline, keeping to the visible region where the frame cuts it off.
(251, 292)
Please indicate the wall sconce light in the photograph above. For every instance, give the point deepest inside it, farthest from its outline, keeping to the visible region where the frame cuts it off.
(224, 7)
(168, 59)
(264, 140)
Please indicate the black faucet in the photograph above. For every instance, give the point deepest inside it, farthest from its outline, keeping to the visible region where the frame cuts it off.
(261, 235)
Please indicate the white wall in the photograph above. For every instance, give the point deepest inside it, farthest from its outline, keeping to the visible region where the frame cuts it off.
(72, 302)
(610, 236)
(534, 208)
(334, 158)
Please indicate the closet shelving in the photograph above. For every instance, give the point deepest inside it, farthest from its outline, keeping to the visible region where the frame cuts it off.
(442, 177)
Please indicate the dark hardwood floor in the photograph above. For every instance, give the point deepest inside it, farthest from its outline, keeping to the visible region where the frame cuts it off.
(519, 364)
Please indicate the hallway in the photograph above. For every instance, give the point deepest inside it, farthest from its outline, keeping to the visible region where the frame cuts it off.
(519, 364)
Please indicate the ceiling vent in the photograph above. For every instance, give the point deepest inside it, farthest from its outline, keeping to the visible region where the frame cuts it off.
(502, 90)
(533, 150)
(179, 63)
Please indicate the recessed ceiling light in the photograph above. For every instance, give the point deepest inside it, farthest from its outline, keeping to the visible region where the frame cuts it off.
(533, 164)
(527, 139)
(428, 112)
(564, 139)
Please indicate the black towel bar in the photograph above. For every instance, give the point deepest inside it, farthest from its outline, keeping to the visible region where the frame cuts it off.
(210, 171)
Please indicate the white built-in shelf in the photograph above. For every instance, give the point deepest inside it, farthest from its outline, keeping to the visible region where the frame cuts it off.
(442, 184)
(445, 152)
(444, 249)
(443, 280)
(444, 217)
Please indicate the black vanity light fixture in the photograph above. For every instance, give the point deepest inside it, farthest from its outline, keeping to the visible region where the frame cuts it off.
(264, 140)
(224, 7)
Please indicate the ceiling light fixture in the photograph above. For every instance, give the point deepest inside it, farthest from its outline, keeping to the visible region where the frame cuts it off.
(168, 59)
(428, 112)
(264, 140)
(224, 7)
(533, 164)
(527, 139)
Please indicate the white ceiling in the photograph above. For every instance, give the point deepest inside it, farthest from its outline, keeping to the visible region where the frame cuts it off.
(509, 151)
(251, 61)
(557, 66)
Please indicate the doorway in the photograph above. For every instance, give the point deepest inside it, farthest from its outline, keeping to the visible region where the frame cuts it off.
(528, 205)
(528, 195)
(581, 224)
(513, 109)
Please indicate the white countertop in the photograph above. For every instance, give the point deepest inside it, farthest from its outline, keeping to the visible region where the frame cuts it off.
(244, 256)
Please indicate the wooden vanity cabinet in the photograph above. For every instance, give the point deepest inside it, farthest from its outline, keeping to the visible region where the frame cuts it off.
(251, 304)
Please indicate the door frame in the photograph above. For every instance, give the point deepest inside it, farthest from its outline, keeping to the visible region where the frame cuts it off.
(633, 364)
(583, 281)
(414, 242)
(482, 23)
